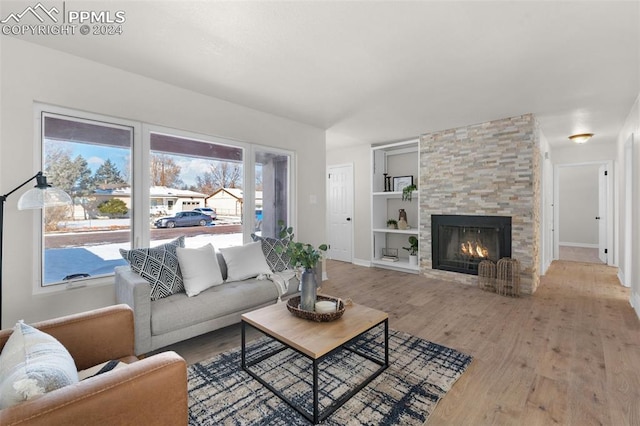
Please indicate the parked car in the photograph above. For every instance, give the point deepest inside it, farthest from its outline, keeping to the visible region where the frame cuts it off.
(190, 218)
(207, 210)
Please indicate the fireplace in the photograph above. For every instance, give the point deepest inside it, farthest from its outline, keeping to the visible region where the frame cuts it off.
(460, 242)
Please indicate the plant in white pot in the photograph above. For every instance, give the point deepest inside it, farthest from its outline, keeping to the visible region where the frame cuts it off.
(413, 250)
(305, 256)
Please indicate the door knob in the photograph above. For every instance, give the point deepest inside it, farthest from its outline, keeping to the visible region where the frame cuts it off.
(597, 217)
(348, 219)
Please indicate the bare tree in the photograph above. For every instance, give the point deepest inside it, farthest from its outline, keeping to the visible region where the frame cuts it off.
(165, 171)
(227, 175)
(222, 175)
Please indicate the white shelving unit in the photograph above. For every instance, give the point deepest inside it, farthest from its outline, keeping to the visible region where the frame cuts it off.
(395, 159)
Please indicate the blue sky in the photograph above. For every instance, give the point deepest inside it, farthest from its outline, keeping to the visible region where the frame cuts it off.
(191, 167)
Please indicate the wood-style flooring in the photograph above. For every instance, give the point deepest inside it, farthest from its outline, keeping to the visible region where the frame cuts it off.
(568, 355)
(579, 254)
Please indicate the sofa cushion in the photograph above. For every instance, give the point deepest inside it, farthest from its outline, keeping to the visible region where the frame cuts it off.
(274, 250)
(32, 363)
(179, 311)
(159, 265)
(246, 261)
(200, 269)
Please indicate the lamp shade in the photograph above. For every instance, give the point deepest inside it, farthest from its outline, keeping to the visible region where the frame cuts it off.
(37, 198)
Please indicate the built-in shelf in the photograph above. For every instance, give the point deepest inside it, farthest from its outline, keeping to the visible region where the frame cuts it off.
(395, 159)
(412, 231)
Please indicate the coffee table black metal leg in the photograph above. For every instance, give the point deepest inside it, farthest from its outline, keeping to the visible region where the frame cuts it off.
(243, 351)
(316, 410)
(386, 342)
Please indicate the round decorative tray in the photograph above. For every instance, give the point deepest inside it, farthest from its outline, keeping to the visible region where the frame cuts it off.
(293, 305)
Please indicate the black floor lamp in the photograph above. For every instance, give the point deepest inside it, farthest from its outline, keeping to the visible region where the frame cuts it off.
(42, 195)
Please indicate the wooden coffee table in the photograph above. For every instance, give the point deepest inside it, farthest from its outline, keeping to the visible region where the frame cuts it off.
(316, 341)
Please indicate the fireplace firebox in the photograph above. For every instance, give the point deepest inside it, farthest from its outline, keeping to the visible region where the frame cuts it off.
(460, 242)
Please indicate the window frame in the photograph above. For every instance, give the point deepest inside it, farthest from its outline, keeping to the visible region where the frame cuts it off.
(40, 111)
(140, 184)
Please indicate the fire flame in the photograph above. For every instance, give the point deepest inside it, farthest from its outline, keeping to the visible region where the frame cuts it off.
(474, 249)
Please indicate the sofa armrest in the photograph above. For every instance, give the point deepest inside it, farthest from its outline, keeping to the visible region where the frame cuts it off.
(135, 291)
(149, 391)
(91, 337)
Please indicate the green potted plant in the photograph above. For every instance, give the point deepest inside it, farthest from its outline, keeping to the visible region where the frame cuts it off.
(407, 192)
(305, 256)
(392, 224)
(413, 250)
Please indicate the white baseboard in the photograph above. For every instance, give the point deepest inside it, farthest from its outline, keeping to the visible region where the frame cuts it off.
(635, 302)
(622, 278)
(583, 245)
(362, 262)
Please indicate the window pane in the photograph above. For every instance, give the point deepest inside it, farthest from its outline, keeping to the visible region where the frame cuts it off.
(272, 192)
(189, 175)
(90, 161)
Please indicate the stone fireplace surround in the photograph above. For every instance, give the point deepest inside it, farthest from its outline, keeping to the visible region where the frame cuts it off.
(492, 169)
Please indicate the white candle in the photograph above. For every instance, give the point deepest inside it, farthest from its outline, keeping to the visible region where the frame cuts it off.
(325, 306)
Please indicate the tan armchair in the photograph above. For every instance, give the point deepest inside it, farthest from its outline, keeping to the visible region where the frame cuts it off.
(152, 390)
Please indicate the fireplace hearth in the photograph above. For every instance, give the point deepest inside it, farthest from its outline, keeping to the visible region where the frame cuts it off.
(461, 242)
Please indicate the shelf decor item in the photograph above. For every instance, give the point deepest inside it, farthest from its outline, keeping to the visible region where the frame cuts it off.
(304, 256)
(392, 224)
(400, 182)
(413, 250)
(407, 192)
(389, 254)
(387, 182)
(402, 220)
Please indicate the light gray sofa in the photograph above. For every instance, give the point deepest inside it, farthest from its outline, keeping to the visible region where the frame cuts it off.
(178, 317)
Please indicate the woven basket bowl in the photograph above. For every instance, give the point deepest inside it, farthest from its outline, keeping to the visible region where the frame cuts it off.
(293, 305)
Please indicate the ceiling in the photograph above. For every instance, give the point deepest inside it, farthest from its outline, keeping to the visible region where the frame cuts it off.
(376, 71)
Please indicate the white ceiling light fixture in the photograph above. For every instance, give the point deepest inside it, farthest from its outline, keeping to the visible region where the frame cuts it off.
(581, 137)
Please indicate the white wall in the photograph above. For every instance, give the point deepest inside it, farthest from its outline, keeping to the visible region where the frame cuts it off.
(31, 73)
(578, 196)
(629, 241)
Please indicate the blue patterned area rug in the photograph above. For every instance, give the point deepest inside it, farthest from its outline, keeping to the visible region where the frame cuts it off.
(420, 373)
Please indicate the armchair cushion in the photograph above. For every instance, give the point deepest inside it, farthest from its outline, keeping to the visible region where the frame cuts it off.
(33, 363)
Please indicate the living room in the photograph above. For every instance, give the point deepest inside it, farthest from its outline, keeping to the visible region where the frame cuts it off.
(93, 75)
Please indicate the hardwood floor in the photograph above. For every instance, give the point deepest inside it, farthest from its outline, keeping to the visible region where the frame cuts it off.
(569, 355)
(579, 254)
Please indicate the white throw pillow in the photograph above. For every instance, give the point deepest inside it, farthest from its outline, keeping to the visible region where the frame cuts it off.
(33, 363)
(245, 261)
(200, 269)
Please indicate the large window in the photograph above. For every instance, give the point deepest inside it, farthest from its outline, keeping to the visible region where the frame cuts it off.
(90, 160)
(190, 175)
(137, 185)
(272, 171)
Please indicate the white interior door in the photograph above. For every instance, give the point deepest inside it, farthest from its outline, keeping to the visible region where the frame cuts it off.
(340, 212)
(602, 213)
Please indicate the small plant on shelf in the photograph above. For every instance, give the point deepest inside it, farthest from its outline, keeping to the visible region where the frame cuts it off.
(392, 224)
(413, 246)
(407, 192)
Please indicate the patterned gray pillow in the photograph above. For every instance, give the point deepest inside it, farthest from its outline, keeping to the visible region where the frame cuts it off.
(158, 265)
(277, 261)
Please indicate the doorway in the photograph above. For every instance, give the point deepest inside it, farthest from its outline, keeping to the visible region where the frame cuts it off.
(583, 206)
(340, 212)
